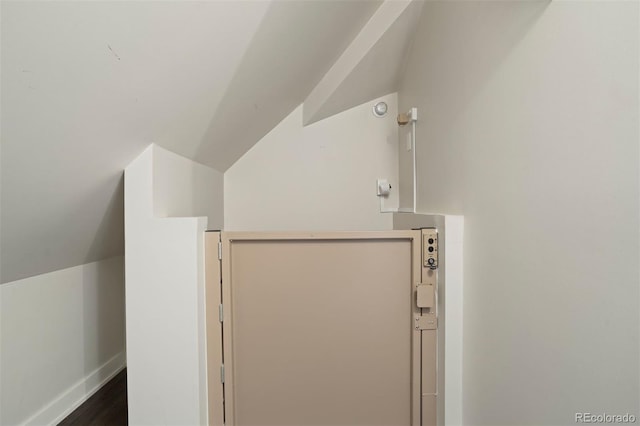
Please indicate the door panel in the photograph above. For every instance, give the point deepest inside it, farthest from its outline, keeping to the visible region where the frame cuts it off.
(319, 329)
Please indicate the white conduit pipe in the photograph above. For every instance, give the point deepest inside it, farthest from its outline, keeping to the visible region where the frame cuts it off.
(412, 116)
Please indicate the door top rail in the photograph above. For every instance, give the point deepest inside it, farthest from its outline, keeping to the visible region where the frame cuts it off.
(319, 235)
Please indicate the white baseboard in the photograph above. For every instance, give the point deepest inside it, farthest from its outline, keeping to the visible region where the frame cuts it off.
(54, 412)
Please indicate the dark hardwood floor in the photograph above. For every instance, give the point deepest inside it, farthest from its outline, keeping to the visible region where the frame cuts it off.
(107, 407)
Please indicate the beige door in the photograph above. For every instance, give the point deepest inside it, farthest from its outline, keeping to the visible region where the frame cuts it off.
(320, 329)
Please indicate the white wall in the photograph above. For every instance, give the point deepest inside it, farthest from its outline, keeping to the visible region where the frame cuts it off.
(165, 285)
(184, 188)
(318, 177)
(61, 337)
(529, 128)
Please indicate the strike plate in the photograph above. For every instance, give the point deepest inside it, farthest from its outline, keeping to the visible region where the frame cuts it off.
(426, 322)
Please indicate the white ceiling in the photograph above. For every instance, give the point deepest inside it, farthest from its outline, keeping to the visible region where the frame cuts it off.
(372, 64)
(86, 86)
(296, 44)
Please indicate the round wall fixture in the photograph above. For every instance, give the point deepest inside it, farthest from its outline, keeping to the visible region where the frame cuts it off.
(380, 109)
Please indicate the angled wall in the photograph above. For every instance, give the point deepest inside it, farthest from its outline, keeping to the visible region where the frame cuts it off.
(316, 177)
(86, 86)
(529, 121)
(165, 285)
(62, 335)
(370, 66)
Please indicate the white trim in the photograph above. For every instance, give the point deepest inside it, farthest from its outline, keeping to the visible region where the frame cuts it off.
(54, 412)
(454, 229)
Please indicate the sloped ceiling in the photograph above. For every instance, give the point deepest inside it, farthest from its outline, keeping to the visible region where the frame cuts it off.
(294, 47)
(86, 86)
(372, 65)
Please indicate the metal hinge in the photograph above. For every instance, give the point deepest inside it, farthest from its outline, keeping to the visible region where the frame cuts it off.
(222, 373)
(426, 322)
(220, 313)
(219, 251)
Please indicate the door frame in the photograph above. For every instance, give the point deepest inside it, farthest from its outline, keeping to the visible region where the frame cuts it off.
(220, 320)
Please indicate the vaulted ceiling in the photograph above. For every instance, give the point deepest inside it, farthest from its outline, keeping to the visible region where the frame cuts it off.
(86, 86)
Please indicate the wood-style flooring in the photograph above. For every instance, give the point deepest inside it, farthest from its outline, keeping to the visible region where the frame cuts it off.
(107, 407)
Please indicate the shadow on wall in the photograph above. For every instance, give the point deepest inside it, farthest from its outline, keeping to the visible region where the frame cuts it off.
(103, 317)
(471, 58)
(109, 237)
(103, 309)
(477, 58)
(211, 206)
(269, 83)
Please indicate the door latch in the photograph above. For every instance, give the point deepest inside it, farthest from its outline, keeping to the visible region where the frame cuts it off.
(425, 296)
